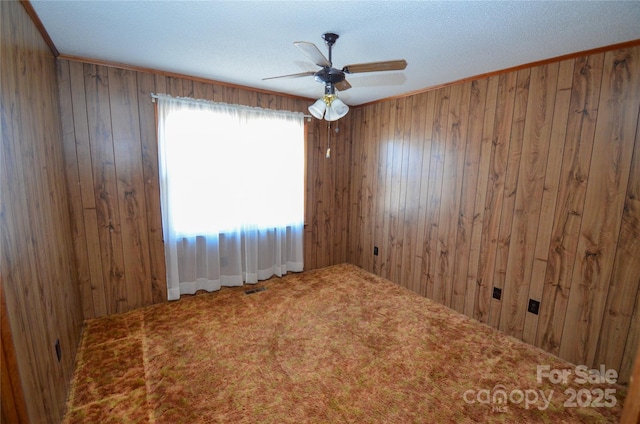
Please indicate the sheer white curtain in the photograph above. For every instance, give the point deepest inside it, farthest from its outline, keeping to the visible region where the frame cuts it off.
(231, 190)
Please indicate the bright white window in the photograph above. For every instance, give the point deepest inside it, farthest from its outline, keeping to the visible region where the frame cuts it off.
(225, 172)
(232, 193)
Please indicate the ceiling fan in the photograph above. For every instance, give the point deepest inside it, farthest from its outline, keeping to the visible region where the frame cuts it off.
(334, 78)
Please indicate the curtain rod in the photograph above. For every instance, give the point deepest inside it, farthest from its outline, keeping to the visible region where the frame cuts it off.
(155, 96)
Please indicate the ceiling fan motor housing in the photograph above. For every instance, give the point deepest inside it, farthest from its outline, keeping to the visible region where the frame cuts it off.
(329, 75)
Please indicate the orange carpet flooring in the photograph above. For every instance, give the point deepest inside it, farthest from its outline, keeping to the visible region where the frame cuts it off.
(335, 345)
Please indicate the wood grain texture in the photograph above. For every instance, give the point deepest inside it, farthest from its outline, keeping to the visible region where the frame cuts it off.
(500, 139)
(414, 165)
(631, 411)
(369, 185)
(149, 152)
(526, 183)
(483, 162)
(549, 195)
(618, 335)
(576, 161)
(39, 276)
(528, 198)
(74, 188)
(604, 204)
(453, 168)
(421, 266)
(14, 408)
(111, 164)
(516, 143)
(435, 179)
(632, 342)
(463, 287)
(125, 123)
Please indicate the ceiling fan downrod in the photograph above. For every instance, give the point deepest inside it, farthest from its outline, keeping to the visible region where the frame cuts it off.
(330, 39)
(329, 75)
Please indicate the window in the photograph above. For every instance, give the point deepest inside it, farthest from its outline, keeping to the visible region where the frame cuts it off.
(230, 176)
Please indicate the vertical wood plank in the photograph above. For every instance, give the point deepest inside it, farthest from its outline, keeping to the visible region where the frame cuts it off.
(73, 188)
(327, 183)
(625, 277)
(422, 264)
(343, 189)
(174, 87)
(356, 189)
(465, 216)
(95, 263)
(388, 149)
(151, 177)
(316, 187)
(631, 350)
(495, 193)
(549, 195)
(436, 178)
(632, 344)
(631, 411)
(576, 160)
(528, 198)
(370, 184)
(14, 408)
(484, 162)
(105, 187)
(398, 192)
(380, 206)
(415, 151)
(604, 203)
(450, 192)
(187, 87)
(510, 187)
(81, 132)
(201, 90)
(310, 169)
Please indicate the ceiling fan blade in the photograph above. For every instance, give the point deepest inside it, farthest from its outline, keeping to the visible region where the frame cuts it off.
(343, 85)
(313, 53)
(390, 65)
(301, 74)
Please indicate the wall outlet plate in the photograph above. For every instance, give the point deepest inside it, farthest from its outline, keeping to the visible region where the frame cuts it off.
(497, 293)
(534, 306)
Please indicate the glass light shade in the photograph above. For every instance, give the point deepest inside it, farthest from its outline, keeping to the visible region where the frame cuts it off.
(317, 109)
(331, 115)
(339, 107)
(336, 111)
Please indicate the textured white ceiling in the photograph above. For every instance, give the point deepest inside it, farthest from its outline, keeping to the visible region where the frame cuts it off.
(241, 42)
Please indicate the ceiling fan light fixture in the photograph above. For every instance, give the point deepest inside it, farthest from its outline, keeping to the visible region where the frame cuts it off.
(336, 111)
(330, 107)
(318, 108)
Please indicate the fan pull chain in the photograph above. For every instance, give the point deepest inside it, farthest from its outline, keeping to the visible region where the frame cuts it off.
(328, 154)
(337, 130)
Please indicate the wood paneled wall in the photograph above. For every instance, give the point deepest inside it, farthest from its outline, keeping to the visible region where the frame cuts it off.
(527, 181)
(38, 270)
(110, 147)
(13, 406)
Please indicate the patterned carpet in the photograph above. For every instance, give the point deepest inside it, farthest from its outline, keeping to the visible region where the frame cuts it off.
(335, 345)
